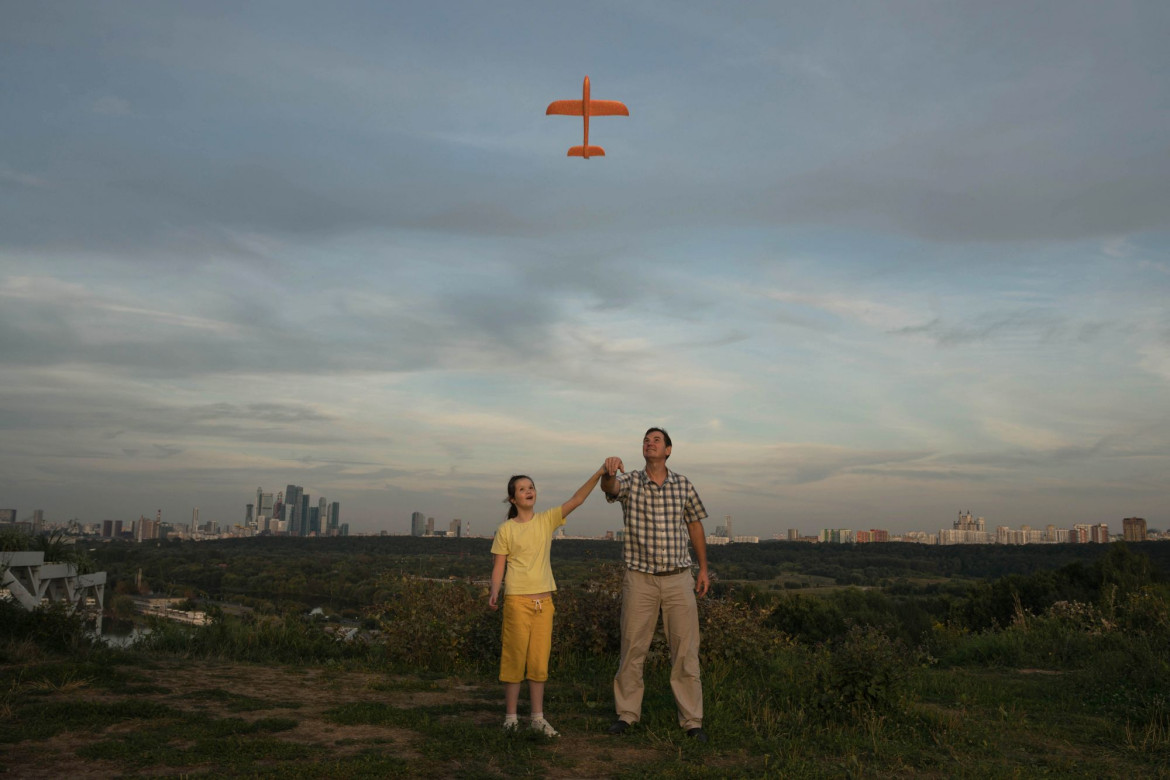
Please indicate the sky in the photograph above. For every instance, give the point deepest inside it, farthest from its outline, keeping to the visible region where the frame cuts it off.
(870, 264)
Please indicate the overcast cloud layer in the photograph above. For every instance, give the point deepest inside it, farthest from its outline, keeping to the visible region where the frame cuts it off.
(870, 265)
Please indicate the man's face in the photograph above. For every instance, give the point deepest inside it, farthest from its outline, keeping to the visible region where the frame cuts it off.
(654, 446)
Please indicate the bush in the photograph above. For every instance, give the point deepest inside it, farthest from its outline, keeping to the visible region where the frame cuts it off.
(437, 625)
(279, 640)
(51, 627)
(864, 673)
(737, 632)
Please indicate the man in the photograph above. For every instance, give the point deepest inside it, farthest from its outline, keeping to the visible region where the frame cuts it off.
(662, 513)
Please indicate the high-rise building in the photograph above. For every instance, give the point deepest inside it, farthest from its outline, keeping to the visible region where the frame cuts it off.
(418, 524)
(456, 528)
(146, 529)
(1134, 529)
(293, 517)
(334, 518)
(265, 510)
(430, 526)
(1100, 533)
(248, 514)
(966, 530)
(793, 534)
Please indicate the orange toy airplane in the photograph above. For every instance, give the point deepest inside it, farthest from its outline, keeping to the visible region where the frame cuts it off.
(585, 108)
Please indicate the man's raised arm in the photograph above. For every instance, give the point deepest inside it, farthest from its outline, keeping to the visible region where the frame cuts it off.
(609, 479)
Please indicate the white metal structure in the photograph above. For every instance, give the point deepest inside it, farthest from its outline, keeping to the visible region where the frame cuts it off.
(26, 579)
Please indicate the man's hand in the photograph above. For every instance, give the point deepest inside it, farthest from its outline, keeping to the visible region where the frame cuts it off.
(702, 582)
(613, 466)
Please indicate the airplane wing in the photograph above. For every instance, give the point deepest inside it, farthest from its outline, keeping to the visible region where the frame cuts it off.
(596, 108)
(607, 108)
(569, 107)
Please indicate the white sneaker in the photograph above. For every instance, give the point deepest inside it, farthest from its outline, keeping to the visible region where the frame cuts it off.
(511, 724)
(544, 727)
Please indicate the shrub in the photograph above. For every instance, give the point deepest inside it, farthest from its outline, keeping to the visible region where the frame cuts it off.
(739, 632)
(864, 673)
(589, 618)
(437, 625)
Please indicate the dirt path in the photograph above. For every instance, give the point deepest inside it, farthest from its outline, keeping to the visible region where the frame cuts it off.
(249, 692)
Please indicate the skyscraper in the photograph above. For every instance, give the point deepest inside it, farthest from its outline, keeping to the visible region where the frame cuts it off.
(335, 518)
(418, 524)
(292, 510)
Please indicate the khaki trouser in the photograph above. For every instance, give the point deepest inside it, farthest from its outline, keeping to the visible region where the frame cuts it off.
(643, 596)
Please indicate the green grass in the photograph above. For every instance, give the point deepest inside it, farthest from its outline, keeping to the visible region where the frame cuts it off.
(980, 722)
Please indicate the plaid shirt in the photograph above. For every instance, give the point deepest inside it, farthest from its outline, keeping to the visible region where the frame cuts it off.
(656, 537)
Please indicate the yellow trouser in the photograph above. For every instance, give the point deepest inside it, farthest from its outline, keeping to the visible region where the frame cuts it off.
(526, 638)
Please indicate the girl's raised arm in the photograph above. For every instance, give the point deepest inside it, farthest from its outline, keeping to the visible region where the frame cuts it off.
(582, 492)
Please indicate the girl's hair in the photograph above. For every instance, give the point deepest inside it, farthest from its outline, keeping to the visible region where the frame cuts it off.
(512, 510)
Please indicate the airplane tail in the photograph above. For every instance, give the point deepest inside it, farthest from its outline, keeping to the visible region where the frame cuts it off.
(582, 151)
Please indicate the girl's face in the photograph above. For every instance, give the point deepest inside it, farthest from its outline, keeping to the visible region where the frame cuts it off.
(524, 495)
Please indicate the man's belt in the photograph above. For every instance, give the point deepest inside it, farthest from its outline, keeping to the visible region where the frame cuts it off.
(670, 572)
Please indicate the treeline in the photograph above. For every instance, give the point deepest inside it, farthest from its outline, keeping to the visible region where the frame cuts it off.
(278, 574)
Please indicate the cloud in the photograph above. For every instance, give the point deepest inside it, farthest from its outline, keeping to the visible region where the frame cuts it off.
(111, 106)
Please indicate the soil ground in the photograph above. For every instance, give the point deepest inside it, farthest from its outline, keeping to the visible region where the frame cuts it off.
(305, 696)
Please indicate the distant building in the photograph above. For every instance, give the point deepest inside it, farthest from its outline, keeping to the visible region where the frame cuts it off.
(793, 534)
(418, 524)
(145, 529)
(1134, 529)
(295, 522)
(966, 530)
(725, 529)
(456, 528)
(1100, 533)
(265, 510)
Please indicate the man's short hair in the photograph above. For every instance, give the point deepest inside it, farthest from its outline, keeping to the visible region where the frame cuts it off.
(665, 435)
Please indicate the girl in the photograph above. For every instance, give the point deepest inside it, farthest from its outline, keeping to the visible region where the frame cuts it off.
(522, 545)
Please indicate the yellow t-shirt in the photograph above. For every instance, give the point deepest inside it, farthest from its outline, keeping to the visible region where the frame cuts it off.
(528, 546)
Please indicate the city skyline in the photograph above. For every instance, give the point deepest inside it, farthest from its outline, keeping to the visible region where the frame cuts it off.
(863, 264)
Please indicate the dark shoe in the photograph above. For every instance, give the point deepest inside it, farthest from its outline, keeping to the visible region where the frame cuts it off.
(696, 734)
(618, 727)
